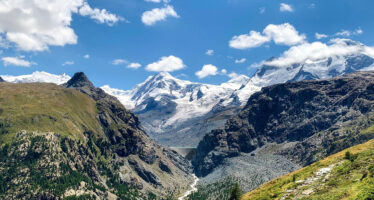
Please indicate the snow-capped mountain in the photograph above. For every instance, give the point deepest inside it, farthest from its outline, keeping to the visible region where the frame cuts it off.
(179, 112)
(167, 104)
(37, 76)
(311, 69)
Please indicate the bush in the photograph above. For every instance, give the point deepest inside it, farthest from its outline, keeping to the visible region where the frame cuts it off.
(349, 156)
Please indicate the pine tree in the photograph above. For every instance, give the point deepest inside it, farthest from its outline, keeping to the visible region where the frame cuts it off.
(235, 192)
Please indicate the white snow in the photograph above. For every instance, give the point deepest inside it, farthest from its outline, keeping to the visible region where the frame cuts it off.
(38, 76)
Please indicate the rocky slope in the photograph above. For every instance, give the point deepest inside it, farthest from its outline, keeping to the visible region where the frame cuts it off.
(83, 145)
(299, 122)
(346, 175)
(177, 112)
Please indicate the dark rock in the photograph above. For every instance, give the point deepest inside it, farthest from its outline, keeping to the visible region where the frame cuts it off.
(164, 167)
(147, 176)
(1, 79)
(292, 112)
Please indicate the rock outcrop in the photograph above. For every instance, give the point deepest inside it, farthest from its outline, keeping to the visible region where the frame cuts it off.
(309, 120)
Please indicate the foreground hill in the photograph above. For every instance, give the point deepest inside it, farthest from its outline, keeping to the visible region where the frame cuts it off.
(348, 174)
(78, 141)
(286, 126)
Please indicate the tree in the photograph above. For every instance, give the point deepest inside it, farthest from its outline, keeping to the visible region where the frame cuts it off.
(235, 192)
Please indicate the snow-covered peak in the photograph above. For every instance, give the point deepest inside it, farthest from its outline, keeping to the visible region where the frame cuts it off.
(38, 76)
(240, 79)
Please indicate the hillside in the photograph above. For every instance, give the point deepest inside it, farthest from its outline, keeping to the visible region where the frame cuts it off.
(287, 126)
(348, 174)
(79, 142)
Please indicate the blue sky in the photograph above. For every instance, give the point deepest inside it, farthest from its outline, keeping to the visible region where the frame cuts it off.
(187, 34)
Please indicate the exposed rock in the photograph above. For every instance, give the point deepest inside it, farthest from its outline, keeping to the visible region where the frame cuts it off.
(295, 112)
(1, 79)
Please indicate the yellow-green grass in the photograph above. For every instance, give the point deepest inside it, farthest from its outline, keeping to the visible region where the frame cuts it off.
(348, 179)
(46, 108)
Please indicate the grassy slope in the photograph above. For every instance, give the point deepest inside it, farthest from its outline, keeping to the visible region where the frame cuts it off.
(46, 108)
(349, 179)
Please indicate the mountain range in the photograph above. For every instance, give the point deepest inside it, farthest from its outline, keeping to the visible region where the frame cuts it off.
(178, 113)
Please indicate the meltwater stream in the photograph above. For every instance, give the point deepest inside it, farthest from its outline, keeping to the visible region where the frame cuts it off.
(193, 188)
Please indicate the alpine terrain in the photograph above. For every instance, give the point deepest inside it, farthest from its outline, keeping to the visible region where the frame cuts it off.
(77, 142)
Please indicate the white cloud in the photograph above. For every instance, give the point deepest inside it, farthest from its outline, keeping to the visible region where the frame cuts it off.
(100, 16)
(358, 31)
(207, 70)
(233, 75)
(240, 60)
(320, 36)
(224, 71)
(318, 51)
(87, 56)
(155, 15)
(34, 25)
(209, 52)
(246, 41)
(347, 33)
(344, 33)
(285, 7)
(119, 62)
(284, 34)
(7, 61)
(69, 62)
(134, 65)
(166, 64)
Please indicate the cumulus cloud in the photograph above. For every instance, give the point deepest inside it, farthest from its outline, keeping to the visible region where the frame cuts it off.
(207, 70)
(134, 65)
(87, 56)
(155, 15)
(246, 41)
(209, 52)
(166, 64)
(34, 25)
(119, 61)
(16, 61)
(320, 36)
(283, 34)
(69, 62)
(309, 52)
(285, 7)
(240, 60)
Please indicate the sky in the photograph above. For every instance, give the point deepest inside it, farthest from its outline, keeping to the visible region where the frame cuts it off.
(122, 42)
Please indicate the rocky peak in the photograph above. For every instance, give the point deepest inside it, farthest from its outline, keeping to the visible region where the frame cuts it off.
(78, 80)
(1, 79)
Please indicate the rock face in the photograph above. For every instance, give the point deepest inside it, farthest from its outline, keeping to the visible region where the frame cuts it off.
(112, 155)
(1, 79)
(310, 119)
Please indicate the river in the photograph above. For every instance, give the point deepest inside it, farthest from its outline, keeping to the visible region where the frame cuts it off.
(193, 188)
